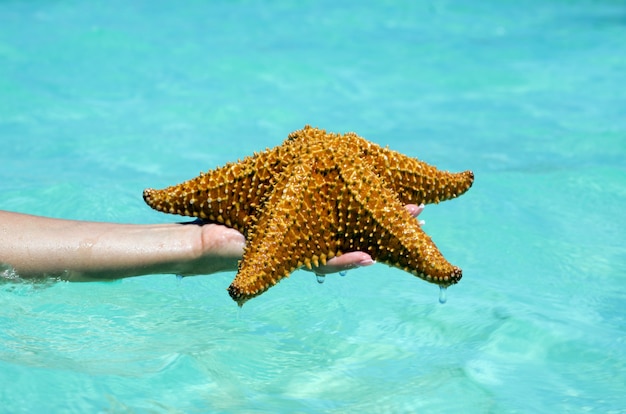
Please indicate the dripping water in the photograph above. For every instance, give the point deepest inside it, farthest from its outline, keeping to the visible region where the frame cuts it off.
(320, 278)
(443, 297)
(343, 273)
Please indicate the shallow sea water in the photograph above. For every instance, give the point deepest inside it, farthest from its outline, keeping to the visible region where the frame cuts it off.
(99, 100)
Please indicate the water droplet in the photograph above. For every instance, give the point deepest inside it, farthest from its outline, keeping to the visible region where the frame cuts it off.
(443, 297)
(343, 273)
(320, 278)
(179, 277)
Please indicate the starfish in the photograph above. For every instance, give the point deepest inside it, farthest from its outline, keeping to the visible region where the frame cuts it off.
(317, 196)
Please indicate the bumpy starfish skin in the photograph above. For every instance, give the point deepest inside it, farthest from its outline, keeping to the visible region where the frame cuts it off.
(317, 196)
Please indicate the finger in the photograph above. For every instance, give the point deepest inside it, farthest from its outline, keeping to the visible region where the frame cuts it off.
(414, 209)
(345, 262)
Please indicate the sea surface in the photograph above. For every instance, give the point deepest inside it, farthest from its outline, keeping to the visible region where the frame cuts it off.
(99, 100)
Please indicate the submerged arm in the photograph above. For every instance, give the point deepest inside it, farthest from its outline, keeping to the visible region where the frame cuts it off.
(74, 250)
(78, 250)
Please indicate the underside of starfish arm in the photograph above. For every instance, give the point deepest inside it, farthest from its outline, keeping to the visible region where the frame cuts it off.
(388, 232)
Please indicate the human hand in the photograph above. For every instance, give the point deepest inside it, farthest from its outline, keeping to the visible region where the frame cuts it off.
(84, 251)
(222, 247)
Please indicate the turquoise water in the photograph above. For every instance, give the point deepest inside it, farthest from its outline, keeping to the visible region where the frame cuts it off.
(99, 100)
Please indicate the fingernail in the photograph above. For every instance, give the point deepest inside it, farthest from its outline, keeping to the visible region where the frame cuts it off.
(366, 262)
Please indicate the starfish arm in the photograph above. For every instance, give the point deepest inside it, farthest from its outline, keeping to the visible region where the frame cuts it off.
(381, 226)
(284, 238)
(413, 180)
(228, 195)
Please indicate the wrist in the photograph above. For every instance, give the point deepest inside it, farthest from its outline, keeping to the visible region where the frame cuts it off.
(213, 248)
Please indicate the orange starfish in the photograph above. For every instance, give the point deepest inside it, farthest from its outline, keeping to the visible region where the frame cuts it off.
(314, 197)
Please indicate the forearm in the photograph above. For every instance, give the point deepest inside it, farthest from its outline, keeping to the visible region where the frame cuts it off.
(77, 250)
